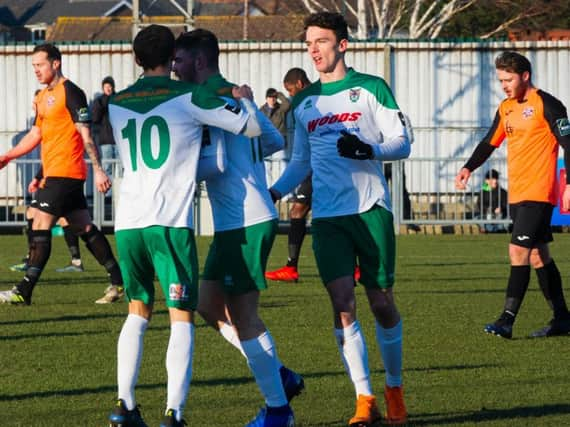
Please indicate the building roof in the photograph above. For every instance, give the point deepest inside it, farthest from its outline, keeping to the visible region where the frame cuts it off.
(268, 28)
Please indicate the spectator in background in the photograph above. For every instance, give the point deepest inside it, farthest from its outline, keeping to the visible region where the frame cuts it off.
(100, 117)
(276, 108)
(493, 202)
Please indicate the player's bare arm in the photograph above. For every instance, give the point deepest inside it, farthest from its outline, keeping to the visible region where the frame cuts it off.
(102, 181)
(30, 141)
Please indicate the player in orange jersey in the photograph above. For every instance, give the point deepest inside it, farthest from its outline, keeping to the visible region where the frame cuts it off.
(534, 123)
(62, 128)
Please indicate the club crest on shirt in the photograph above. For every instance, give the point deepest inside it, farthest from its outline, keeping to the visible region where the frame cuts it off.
(178, 292)
(50, 100)
(354, 94)
(308, 104)
(528, 112)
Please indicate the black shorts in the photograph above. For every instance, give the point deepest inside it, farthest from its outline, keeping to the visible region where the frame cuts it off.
(531, 223)
(61, 196)
(304, 192)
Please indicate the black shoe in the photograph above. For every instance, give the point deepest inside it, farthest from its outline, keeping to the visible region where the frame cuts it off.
(122, 417)
(556, 327)
(503, 327)
(170, 420)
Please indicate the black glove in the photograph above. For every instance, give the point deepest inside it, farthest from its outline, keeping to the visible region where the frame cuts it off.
(348, 145)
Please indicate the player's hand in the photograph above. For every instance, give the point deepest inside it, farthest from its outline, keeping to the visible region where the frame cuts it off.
(102, 181)
(348, 145)
(275, 195)
(243, 91)
(566, 198)
(33, 185)
(4, 160)
(462, 178)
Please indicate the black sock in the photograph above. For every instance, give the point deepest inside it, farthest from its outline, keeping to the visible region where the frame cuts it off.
(29, 237)
(99, 246)
(40, 249)
(516, 289)
(296, 236)
(72, 242)
(555, 291)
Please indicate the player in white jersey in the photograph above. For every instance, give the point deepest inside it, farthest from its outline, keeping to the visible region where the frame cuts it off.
(345, 125)
(245, 223)
(157, 123)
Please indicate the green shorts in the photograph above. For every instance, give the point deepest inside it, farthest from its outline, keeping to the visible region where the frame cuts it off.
(237, 258)
(369, 236)
(170, 253)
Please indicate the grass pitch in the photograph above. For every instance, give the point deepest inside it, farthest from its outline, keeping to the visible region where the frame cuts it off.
(57, 357)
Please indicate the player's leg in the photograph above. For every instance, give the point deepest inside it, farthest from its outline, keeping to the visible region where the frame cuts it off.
(243, 279)
(261, 354)
(212, 308)
(376, 245)
(175, 259)
(550, 283)
(98, 245)
(51, 203)
(331, 239)
(30, 212)
(72, 241)
(297, 231)
(139, 287)
(528, 219)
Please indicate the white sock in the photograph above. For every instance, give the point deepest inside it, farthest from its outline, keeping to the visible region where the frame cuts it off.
(179, 365)
(129, 355)
(262, 360)
(390, 343)
(354, 354)
(231, 336)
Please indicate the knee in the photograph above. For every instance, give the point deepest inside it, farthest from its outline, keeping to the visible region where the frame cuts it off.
(298, 211)
(519, 255)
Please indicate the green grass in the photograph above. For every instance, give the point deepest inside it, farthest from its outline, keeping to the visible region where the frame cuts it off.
(58, 366)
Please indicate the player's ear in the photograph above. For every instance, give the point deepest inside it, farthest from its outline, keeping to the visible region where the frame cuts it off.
(343, 45)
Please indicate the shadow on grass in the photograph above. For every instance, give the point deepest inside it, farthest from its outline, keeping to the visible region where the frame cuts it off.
(490, 415)
(74, 318)
(49, 335)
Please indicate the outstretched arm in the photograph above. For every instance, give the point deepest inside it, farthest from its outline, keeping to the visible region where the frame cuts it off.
(27, 144)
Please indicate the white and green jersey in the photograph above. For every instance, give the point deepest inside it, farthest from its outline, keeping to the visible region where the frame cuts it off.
(239, 196)
(157, 125)
(364, 106)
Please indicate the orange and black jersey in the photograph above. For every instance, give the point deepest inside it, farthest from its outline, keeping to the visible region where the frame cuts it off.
(533, 129)
(58, 109)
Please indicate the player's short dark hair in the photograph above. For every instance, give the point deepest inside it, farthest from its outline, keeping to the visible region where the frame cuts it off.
(108, 80)
(53, 53)
(154, 46)
(271, 92)
(201, 40)
(513, 62)
(295, 75)
(330, 21)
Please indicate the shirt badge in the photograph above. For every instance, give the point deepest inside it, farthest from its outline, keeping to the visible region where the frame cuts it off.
(528, 112)
(50, 101)
(354, 94)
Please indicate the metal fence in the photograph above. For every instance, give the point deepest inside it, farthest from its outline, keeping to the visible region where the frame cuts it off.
(428, 181)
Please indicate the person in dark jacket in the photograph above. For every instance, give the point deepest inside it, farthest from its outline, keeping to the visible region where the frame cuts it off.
(493, 202)
(100, 117)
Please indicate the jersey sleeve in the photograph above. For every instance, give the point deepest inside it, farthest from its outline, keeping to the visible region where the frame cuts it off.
(213, 158)
(557, 117)
(76, 103)
(496, 133)
(212, 110)
(388, 118)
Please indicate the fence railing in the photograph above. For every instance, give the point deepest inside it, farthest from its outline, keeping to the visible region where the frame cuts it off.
(425, 194)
